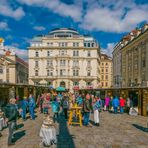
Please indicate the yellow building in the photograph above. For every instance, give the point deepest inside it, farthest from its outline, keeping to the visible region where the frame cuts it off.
(64, 58)
(106, 71)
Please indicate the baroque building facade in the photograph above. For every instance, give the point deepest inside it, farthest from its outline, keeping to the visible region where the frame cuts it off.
(133, 53)
(106, 71)
(64, 58)
(12, 68)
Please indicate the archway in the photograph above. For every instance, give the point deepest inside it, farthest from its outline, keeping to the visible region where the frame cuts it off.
(62, 84)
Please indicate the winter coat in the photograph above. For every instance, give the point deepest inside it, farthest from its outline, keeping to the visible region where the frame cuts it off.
(97, 105)
(55, 106)
(115, 102)
(11, 112)
(122, 102)
(87, 106)
(107, 100)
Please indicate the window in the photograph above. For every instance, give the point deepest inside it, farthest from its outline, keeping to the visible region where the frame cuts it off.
(106, 70)
(75, 63)
(85, 44)
(62, 72)
(1, 70)
(92, 44)
(88, 73)
(106, 84)
(75, 72)
(62, 62)
(88, 53)
(49, 63)
(75, 53)
(49, 53)
(62, 52)
(143, 63)
(88, 63)
(102, 84)
(76, 44)
(106, 77)
(63, 44)
(102, 64)
(75, 83)
(37, 54)
(36, 72)
(102, 70)
(36, 63)
(88, 44)
(50, 44)
(88, 83)
(49, 73)
(102, 77)
(106, 64)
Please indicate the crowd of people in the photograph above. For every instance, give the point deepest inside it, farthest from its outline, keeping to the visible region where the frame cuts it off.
(59, 104)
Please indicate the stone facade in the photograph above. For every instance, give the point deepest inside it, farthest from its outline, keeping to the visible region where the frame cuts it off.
(133, 53)
(64, 58)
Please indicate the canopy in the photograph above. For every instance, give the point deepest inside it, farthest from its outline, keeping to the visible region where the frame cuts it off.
(60, 88)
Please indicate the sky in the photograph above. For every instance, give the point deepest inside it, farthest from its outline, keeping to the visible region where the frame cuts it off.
(106, 20)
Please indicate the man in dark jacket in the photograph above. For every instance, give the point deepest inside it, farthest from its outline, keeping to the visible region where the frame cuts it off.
(11, 115)
(87, 108)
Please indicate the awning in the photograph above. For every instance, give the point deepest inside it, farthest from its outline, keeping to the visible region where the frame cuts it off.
(60, 88)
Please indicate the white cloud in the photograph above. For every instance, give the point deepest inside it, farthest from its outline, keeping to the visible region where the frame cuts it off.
(114, 16)
(7, 10)
(109, 49)
(73, 11)
(4, 26)
(39, 28)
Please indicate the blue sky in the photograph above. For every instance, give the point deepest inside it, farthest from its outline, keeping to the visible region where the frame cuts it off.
(105, 20)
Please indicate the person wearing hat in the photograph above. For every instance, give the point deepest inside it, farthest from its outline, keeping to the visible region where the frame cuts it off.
(11, 114)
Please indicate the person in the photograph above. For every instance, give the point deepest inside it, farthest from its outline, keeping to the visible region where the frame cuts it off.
(122, 105)
(115, 104)
(11, 114)
(87, 107)
(45, 106)
(65, 106)
(31, 105)
(40, 103)
(106, 106)
(55, 108)
(24, 108)
(96, 107)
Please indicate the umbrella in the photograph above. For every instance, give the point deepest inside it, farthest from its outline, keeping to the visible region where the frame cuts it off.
(60, 88)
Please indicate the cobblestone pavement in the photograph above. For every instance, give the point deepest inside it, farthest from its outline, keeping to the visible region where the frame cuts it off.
(115, 131)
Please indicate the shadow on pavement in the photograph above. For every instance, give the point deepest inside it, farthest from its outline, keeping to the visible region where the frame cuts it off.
(20, 126)
(18, 135)
(140, 127)
(64, 139)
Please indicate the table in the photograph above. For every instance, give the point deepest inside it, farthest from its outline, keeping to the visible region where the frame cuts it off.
(75, 111)
(2, 123)
(48, 135)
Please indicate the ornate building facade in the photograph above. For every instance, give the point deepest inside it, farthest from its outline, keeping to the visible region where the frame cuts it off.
(12, 68)
(64, 58)
(134, 58)
(106, 71)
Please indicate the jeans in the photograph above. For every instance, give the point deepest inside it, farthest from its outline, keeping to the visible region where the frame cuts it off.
(55, 116)
(65, 112)
(115, 110)
(121, 109)
(11, 126)
(24, 114)
(86, 118)
(31, 109)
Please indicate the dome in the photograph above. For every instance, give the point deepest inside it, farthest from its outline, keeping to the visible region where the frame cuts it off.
(63, 30)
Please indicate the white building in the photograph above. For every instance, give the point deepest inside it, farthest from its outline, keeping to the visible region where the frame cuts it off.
(64, 58)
